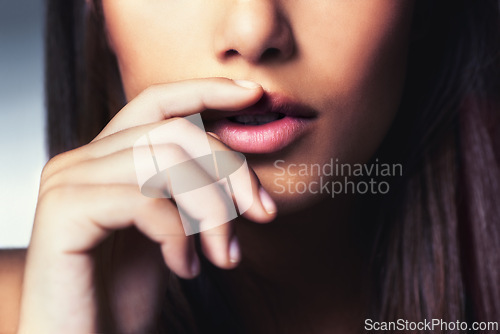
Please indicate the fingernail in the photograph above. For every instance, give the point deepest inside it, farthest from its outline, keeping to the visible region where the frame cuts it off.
(195, 266)
(267, 201)
(247, 84)
(234, 250)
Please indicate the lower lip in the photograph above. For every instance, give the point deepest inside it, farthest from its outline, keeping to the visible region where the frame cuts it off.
(265, 138)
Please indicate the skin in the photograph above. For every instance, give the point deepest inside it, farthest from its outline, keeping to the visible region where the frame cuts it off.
(344, 59)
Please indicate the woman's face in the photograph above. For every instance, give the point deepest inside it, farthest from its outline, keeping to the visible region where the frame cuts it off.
(339, 65)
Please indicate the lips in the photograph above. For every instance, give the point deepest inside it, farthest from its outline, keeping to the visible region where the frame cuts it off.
(270, 125)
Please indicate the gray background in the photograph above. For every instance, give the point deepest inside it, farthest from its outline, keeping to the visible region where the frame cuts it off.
(22, 147)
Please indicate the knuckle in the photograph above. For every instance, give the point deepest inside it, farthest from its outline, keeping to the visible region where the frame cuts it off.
(58, 195)
(182, 125)
(54, 165)
(50, 166)
(173, 150)
(152, 204)
(152, 90)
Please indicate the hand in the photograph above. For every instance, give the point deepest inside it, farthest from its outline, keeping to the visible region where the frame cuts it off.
(82, 275)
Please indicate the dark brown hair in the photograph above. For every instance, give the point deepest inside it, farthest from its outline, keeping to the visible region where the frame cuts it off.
(83, 85)
(438, 250)
(434, 249)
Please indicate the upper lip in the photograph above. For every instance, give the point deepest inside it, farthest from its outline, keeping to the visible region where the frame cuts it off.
(269, 103)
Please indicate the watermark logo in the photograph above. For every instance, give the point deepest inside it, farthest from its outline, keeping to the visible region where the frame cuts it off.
(432, 326)
(210, 188)
(334, 178)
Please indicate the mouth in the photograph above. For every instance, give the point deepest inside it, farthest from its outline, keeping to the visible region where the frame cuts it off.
(270, 125)
(256, 119)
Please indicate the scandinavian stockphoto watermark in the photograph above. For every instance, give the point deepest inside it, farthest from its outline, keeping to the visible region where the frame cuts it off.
(210, 187)
(334, 177)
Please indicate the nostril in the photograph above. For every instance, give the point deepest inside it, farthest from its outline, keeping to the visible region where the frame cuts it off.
(231, 53)
(270, 54)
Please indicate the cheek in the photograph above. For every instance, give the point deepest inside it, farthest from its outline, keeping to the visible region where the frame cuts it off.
(352, 69)
(357, 62)
(151, 42)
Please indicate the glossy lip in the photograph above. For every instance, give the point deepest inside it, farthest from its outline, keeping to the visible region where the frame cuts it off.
(265, 138)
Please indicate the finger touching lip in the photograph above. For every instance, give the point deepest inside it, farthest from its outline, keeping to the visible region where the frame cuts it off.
(273, 123)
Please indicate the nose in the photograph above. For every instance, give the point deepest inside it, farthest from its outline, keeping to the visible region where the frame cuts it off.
(255, 30)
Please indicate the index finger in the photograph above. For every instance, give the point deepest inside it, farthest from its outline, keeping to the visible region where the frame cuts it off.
(183, 98)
